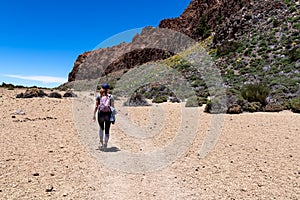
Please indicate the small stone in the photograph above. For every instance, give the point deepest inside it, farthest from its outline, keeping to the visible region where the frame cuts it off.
(65, 194)
(291, 156)
(36, 174)
(0, 190)
(13, 117)
(49, 188)
(52, 174)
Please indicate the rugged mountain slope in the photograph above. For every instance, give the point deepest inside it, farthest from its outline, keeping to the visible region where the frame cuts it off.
(197, 21)
(252, 42)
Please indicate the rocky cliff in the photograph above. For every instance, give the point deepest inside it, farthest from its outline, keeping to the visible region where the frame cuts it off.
(150, 45)
(252, 42)
(198, 20)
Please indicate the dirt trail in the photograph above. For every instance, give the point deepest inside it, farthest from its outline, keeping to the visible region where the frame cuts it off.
(45, 155)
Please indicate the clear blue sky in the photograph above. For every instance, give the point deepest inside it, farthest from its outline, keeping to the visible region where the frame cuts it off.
(41, 39)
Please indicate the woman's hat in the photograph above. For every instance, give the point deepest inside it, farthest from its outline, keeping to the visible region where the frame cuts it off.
(105, 86)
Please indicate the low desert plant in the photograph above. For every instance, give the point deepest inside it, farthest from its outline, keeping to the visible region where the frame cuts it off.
(203, 29)
(256, 92)
(10, 88)
(214, 106)
(252, 107)
(192, 102)
(160, 99)
(295, 104)
(273, 108)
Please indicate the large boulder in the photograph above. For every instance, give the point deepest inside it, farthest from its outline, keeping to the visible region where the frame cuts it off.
(69, 93)
(136, 100)
(55, 95)
(234, 109)
(32, 92)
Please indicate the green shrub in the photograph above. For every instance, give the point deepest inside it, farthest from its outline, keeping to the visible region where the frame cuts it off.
(182, 67)
(214, 106)
(297, 26)
(192, 102)
(228, 47)
(255, 92)
(294, 54)
(273, 108)
(160, 99)
(10, 87)
(276, 23)
(203, 28)
(295, 104)
(293, 9)
(234, 109)
(252, 107)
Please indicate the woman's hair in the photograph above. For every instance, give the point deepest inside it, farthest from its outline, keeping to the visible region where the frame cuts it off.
(103, 92)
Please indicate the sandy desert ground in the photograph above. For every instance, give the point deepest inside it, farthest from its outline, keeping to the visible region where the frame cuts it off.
(45, 154)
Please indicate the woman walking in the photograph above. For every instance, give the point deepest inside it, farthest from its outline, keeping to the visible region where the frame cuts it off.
(104, 102)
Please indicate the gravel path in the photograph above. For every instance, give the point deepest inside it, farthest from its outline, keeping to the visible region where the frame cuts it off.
(51, 152)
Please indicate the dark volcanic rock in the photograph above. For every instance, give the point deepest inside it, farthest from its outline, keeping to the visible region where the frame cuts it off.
(136, 100)
(32, 92)
(80, 59)
(69, 93)
(55, 95)
(213, 12)
(150, 45)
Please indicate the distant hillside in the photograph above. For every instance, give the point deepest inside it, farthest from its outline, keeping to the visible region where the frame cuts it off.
(252, 42)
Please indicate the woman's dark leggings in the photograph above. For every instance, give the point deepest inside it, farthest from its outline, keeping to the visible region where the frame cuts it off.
(104, 121)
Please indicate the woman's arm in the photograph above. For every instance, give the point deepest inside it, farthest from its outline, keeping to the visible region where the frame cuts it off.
(112, 101)
(96, 108)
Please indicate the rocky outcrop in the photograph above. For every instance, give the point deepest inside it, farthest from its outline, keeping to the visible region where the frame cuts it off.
(203, 13)
(150, 45)
(253, 41)
(32, 92)
(136, 99)
(198, 20)
(80, 59)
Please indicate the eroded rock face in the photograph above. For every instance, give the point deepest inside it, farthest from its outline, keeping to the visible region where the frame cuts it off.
(80, 59)
(215, 13)
(150, 45)
(91, 65)
(246, 33)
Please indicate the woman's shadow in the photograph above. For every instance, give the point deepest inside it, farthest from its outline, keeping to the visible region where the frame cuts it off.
(110, 149)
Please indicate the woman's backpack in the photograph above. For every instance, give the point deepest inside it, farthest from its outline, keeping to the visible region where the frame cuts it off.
(104, 103)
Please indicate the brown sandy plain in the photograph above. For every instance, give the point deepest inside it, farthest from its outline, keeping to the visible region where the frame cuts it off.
(257, 155)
